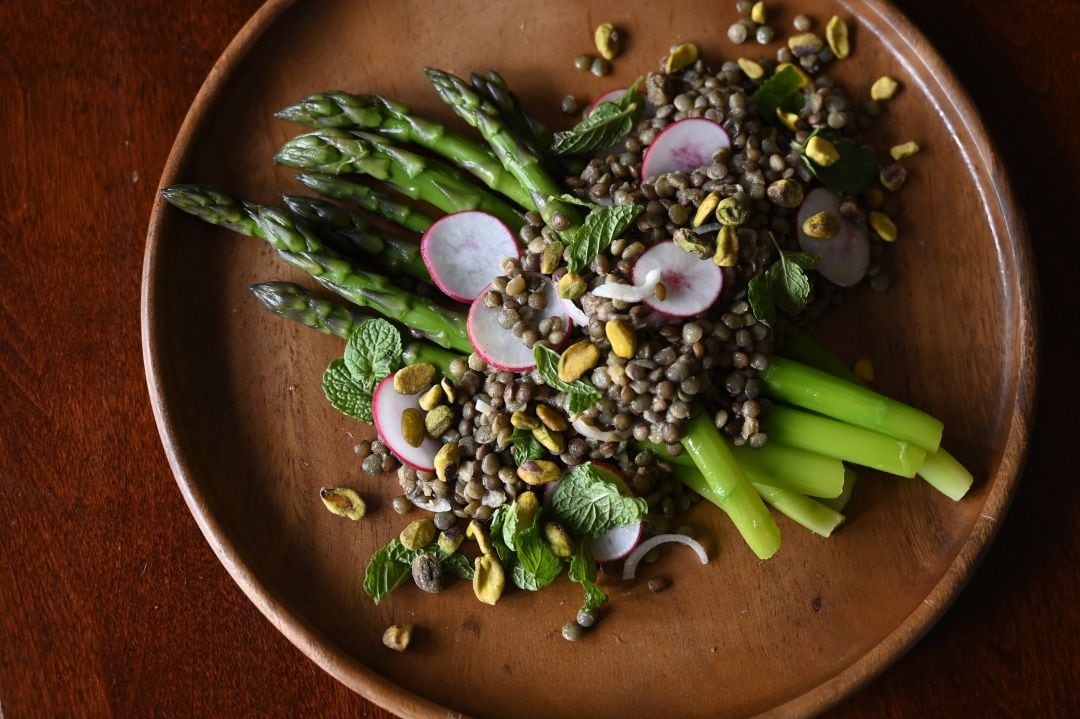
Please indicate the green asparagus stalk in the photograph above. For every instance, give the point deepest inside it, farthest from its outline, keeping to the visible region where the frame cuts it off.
(844, 441)
(300, 247)
(365, 198)
(810, 513)
(491, 86)
(391, 252)
(946, 475)
(293, 302)
(841, 502)
(339, 151)
(338, 109)
(511, 151)
(826, 394)
(732, 491)
(418, 351)
(799, 347)
(213, 206)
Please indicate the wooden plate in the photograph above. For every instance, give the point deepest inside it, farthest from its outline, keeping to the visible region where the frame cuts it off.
(250, 438)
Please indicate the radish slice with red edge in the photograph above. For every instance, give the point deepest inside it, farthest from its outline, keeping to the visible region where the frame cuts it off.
(616, 543)
(465, 250)
(684, 145)
(609, 96)
(692, 284)
(387, 406)
(845, 257)
(630, 568)
(497, 346)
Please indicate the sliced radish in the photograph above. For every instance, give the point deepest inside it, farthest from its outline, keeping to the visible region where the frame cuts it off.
(615, 543)
(684, 145)
(497, 346)
(609, 96)
(845, 257)
(387, 406)
(692, 284)
(464, 251)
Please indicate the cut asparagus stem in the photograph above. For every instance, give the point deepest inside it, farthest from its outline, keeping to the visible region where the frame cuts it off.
(839, 503)
(844, 441)
(821, 392)
(514, 155)
(293, 302)
(391, 253)
(418, 351)
(339, 151)
(300, 247)
(733, 492)
(338, 109)
(795, 470)
(799, 347)
(365, 198)
(946, 475)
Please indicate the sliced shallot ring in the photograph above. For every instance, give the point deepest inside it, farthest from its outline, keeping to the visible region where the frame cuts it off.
(630, 293)
(630, 568)
(587, 430)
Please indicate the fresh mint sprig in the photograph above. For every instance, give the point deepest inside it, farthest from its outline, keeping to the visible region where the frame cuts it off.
(781, 91)
(600, 228)
(853, 174)
(783, 286)
(608, 122)
(588, 505)
(580, 393)
(372, 352)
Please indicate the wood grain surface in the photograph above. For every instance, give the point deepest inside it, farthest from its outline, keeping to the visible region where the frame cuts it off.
(111, 602)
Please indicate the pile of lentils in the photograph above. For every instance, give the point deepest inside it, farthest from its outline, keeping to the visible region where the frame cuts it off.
(682, 367)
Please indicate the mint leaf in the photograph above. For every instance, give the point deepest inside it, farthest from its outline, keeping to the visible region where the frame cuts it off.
(347, 396)
(497, 531)
(583, 571)
(784, 285)
(783, 91)
(854, 173)
(372, 352)
(588, 505)
(581, 393)
(566, 197)
(524, 446)
(760, 294)
(458, 564)
(604, 126)
(536, 565)
(600, 228)
(384, 574)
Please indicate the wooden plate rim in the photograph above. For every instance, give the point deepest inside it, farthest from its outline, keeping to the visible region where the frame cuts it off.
(1011, 239)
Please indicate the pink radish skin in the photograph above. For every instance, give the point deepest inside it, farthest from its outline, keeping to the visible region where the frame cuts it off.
(692, 284)
(463, 252)
(609, 96)
(616, 543)
(387, 406)
(844, 258)
(497, 346)
(684, 145)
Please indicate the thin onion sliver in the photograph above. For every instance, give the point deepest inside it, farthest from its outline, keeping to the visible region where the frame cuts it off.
(630, 568)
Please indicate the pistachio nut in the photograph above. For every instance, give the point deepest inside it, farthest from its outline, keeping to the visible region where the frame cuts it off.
(757, 12)
(552, 255)
(785, 193)
(875, 198)
(397, 637)
(427, 573)
(476, 531)
(538, 471)
(521, 420)
(571, 286)
(731, 212)
(805, 44)
(344, 502)
(551, 418)
(431, 399)
(727, 247)
(620, 334)
(413, 378)
(884, 88)
(821, 151)
(558, 540)
(689, 241)
(412, 426)
(447, 457)
(892, 176)
(681, 57)
(552, 441)
(489, 580)
(608, 41)
(525, 508)
(578, 359)
(821, 225)
(907, 149)
(417, 534)
(660, 291)
(449, 391)
(450, 540)
(790, 120)
(883, 226)
(804, 79)
(706, 208)
(753, 70)
(438, 421)
(836, 34)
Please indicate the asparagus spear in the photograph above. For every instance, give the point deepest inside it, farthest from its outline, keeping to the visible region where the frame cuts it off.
(339, 109)
(393, 253)
(365, 198)
(336, 151)
(511, 151)
(293, 302)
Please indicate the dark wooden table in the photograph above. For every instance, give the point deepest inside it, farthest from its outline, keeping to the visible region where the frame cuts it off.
(110, 600)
